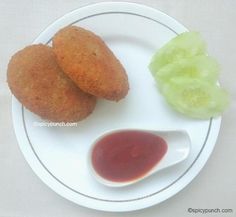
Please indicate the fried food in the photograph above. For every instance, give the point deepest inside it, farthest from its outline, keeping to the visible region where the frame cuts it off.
(87, 60)
(37, 81)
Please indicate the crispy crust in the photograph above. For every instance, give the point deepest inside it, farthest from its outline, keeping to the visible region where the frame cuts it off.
(87, 60)
(37, 81)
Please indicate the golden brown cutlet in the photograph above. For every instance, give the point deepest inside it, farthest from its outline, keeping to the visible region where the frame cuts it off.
(88, 61)
(37, 81)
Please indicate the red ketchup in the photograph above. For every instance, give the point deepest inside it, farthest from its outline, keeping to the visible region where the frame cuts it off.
(127, 155)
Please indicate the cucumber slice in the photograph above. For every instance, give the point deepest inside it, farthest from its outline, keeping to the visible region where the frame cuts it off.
(185, 45)
(195, 97)
(202, 67)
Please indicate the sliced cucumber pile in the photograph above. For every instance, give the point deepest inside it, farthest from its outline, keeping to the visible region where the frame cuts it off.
(187, 77)
(197, 67)
(185, 45)
(196, 98)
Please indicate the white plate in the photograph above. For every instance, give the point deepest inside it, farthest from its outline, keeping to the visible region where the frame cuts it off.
(58, 154)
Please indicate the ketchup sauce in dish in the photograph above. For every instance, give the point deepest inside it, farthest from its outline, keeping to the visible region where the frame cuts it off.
(127, 155)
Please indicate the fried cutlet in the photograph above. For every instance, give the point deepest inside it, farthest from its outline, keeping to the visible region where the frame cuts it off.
(88, 61)
(37, 81)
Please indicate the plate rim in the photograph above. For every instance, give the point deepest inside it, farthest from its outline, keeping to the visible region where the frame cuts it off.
(204, 155)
